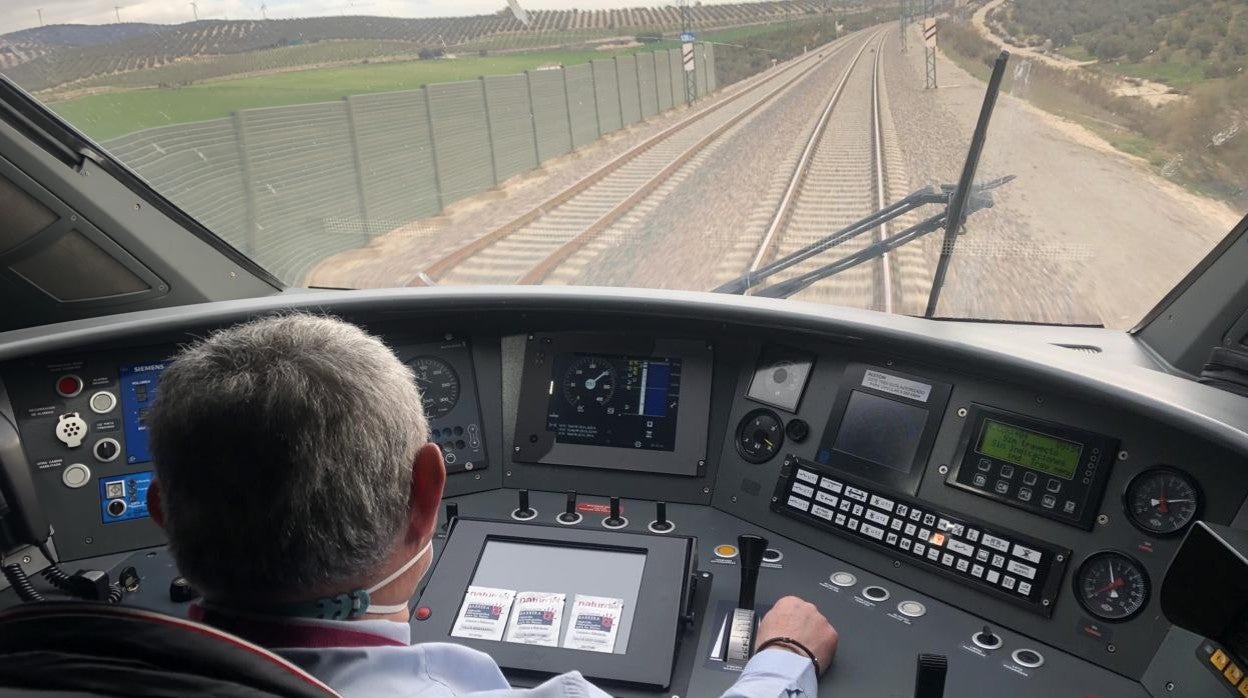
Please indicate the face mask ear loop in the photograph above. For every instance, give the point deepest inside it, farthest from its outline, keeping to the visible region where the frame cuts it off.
(396, 608)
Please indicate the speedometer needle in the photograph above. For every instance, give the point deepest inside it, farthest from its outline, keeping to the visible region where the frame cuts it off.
(1111, 586)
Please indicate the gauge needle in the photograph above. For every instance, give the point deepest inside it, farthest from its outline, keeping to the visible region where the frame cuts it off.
(1158, 502)
(591, 382)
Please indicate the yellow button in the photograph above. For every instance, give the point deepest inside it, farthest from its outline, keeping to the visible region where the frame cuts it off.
(1219, 659)
(726, 551)
(1233, 673)
(1243, 688)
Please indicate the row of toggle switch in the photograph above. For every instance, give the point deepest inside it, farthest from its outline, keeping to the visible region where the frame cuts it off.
(571, 517)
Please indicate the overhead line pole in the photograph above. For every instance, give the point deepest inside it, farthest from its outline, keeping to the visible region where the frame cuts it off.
(929, 41)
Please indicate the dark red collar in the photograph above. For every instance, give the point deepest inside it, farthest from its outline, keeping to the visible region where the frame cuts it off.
(275, 633)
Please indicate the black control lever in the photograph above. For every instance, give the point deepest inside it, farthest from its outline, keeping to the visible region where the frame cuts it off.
(660, 523)
(752, 549)
(524, 512)
(929, 676)
(741, 623)
(570, 515)
(614, 520)
(452, 512)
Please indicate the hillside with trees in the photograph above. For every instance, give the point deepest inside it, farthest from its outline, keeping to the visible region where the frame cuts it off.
(1204, 39)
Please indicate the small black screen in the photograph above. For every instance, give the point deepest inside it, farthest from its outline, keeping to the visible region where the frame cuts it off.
(881, 431)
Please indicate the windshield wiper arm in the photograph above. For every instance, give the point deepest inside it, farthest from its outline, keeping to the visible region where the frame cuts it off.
(960, 201)
(979, 200)
(958, 204)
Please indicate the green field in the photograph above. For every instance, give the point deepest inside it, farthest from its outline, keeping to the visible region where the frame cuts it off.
(211, 96)
(107, 116)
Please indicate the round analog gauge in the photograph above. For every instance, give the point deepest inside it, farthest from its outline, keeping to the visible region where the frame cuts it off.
(439, 385)
(1162, 501)
(590, 381)
(1111, 586)
(760, 436)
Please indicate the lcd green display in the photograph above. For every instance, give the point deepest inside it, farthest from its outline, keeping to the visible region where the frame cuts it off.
(1030, 449)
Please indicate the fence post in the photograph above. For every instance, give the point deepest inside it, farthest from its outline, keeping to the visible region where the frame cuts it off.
(567, 104)
(433, 147)
(360, 186)
(619, 96)
(489, 129)
(593, 80)
(249, 194)
(641, 108)
(658, 103)
(537, 150)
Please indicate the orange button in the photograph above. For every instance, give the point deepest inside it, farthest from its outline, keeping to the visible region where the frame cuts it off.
(1243, 688)
(1233, 673)
(725, 551)
(938, 539)
(1219, 659)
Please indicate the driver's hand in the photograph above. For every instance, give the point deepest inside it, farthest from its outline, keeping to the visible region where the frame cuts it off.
(797, 619)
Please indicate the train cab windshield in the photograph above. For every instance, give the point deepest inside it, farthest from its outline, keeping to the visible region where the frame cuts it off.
(695, 326)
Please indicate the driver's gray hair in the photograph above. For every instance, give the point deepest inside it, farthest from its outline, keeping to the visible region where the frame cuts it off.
(284, 451)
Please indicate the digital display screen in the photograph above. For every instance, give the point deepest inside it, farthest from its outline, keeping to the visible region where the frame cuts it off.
(616, 401)
(880, 431)
(1030, 449)
(138, 390)
(571, 571)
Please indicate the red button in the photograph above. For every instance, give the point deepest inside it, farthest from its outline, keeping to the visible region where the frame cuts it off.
(68, 386)
(423, 613)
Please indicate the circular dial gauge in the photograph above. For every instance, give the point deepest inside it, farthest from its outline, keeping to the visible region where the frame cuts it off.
(1162, 501)
(589, 381)
(760, 436)
(1111, 586)
(439, 385)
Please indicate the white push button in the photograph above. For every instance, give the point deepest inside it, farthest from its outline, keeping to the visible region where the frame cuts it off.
(76, 475)
(844, 579)
(911, 609)
(103, 402)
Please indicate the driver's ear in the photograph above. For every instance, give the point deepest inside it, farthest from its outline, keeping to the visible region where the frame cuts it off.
(428, 480)
(153, 503)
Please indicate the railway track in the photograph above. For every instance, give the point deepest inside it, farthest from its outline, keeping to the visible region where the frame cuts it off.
(841, 176)
(531, 247)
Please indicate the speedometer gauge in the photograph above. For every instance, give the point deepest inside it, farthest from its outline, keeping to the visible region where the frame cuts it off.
(439, 385)
(590, 380)
(1162, 501)
(1111, 586)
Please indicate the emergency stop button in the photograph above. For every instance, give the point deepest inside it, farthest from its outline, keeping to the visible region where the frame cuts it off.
(68, 385)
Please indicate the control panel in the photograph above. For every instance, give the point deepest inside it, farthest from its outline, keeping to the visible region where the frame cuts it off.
(85, 438)
(447, 379)
(1009, 565)
(1049, 469)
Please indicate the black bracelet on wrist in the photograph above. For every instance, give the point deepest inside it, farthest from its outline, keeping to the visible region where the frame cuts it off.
(791, 643)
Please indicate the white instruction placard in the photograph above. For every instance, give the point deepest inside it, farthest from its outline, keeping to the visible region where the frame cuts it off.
(484, 613)
(536, 617)
(594, 623)
(895, 385)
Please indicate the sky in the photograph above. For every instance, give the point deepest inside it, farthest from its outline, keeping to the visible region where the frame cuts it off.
(21, 14)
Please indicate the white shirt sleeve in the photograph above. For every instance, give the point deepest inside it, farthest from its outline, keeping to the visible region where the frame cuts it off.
(776, 673)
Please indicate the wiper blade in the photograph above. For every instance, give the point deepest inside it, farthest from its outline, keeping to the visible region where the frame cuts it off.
(958, 203)
(980, 199)
(923, 197)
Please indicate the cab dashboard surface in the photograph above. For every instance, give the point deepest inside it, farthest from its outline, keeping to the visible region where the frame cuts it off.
(979, 493)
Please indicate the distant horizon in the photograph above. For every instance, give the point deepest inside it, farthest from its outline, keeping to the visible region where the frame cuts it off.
(101, 13)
